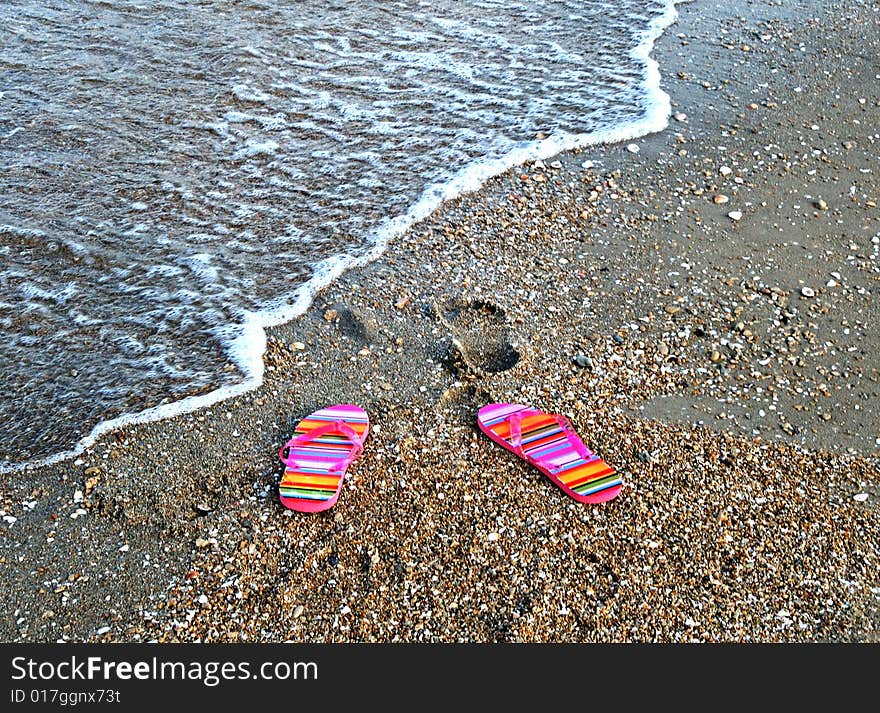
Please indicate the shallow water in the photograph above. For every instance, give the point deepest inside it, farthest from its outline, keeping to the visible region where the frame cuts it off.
(172, 170)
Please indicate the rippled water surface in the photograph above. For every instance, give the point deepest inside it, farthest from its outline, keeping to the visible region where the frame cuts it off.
(171, 170)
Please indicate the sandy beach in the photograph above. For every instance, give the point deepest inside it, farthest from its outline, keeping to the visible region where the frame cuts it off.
(701, 303)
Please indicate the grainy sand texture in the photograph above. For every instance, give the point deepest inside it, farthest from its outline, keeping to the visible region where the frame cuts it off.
(705, 312)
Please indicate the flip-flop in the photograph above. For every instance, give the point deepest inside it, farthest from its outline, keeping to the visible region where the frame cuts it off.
(324, 444)
(549, 443)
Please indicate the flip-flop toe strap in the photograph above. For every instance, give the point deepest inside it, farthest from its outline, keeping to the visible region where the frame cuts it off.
(516, 433)
(329, 427)
(515, 439)
(573, 438)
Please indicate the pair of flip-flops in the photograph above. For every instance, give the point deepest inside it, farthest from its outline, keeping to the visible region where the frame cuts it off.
(326, 442)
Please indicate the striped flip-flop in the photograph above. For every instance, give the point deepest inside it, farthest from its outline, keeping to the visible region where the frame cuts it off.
(324, 444)
(549, 443)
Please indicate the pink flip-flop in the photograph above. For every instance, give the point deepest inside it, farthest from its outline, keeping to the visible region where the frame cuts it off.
(549, 443)
(324, 444)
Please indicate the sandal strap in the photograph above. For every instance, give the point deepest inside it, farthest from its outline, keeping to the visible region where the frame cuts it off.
(337, 426)
(573, 438)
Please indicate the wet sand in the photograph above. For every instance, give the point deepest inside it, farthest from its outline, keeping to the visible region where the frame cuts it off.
(721, 354)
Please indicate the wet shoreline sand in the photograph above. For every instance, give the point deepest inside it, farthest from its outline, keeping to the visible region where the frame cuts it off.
(725, 366)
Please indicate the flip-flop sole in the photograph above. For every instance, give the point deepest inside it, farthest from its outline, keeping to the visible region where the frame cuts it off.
(549, 446)
(309, 483)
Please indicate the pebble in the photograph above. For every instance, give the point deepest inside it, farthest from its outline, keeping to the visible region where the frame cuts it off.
(583, 361)
(860, 497)
(735, 215)
(720, 198)
(808, 292)
(202, 542)
(821, 205)
(632, 148)
(298, 610)
(680, 116)
(556, 164)
(725, 170)
(203, 600)
(330, 315)
(298, 346)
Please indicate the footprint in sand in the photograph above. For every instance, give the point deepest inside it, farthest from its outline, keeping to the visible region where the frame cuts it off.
(479, 332)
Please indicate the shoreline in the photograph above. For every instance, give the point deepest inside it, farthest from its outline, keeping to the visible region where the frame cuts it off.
(248, 347)
(720, 534)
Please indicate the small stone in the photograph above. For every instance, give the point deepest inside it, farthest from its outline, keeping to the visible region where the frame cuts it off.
(821, 204)
(808, 292)
(735, 215)
(93, 470)
(860, 497)
(632, 148)
(202, 508)
(298, 610)
(586, 165)
(680, 116)
(91, 483)
(124, 548)
(556, 164)
(725, 170)
(583, 361)
(539, 164)
(330, 315)
(201, 542)
(298, 346)
(401, 303)
(203, 600)
(752, 106)
(848, 145)
(832, 283)
(493, 536)
(720, 199)
(715, 356)
(672, 309)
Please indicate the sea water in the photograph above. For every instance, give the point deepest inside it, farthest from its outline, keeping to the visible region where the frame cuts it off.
(177, 175)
